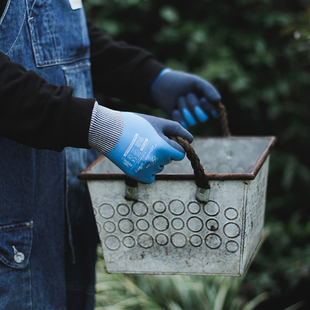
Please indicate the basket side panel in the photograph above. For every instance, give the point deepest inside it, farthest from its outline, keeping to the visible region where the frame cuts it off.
(167, 231)
(254, 214)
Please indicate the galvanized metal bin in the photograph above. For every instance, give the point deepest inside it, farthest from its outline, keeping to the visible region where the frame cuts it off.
(168, 230)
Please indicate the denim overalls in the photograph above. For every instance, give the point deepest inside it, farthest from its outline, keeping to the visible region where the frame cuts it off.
(48, 235)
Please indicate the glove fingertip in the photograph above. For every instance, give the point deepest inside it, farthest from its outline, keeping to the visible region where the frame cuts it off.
(201, 115)
(189, 117)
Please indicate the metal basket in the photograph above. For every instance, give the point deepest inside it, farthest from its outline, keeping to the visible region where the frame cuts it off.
(177, 224)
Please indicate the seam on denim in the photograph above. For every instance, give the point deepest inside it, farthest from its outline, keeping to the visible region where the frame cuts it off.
(22, 225)
(30, 286)
(18, 33)
(61, 61)
(52, 29)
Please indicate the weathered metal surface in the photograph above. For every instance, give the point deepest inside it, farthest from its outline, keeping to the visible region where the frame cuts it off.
(253, 151)
(168, 231)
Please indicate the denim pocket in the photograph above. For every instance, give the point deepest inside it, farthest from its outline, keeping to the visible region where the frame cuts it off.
(15, 248)
(58, 34)
(15, 245)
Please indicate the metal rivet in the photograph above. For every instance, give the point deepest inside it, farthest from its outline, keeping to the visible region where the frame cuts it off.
(29, 224)
(19, 257)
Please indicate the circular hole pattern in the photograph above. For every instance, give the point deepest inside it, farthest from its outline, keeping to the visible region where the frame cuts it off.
(176, 207)
(112, 243)
(193, 207)
(211, 208)
(194, 224)
(231, 230)
(239, 169)
(109, 226)
(159, 207)
(231, 213)
(129, 242)
(161, 239)
(139, 208)
(123, 209)
(145, 241)
(178, 240)
(177, 223)
(232, 246)
(106, 210)
(143, 225)
(160, 223)
(195, 240)
(213, 241)
(223, 168)
(212, 224)
(125, 226)
(207, 167)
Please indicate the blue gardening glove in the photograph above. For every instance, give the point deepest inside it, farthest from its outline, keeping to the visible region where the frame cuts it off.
(185, 97)
(136, 143)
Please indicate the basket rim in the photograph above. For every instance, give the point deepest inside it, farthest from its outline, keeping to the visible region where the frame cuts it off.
(88, 176)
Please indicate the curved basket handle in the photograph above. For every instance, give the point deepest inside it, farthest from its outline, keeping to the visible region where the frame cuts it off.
(224, 120)
(203, 187)
(201, 178)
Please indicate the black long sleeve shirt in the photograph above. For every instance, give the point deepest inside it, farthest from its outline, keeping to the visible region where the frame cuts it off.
(45, 116)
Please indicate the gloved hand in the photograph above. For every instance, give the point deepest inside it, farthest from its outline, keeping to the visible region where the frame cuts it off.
(136, 143)
(185, 97)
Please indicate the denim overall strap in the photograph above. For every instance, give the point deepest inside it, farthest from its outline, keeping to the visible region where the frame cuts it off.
(36, 186)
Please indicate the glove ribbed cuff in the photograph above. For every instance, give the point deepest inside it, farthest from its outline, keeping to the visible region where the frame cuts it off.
(106, 127)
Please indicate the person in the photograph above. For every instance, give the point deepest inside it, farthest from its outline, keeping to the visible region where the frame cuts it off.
(51, 127)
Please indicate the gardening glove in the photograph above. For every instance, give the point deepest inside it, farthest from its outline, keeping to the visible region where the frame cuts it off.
(138, 144)
(185, 98)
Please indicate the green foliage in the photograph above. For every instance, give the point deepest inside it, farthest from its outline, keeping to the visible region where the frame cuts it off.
(256, 52)
(301, 33)
(158, 292)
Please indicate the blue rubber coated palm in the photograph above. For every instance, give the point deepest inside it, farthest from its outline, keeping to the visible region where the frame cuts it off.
(144, 148)
(185, 97)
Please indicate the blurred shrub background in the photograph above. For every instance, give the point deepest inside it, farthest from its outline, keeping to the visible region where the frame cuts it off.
(257, 54)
